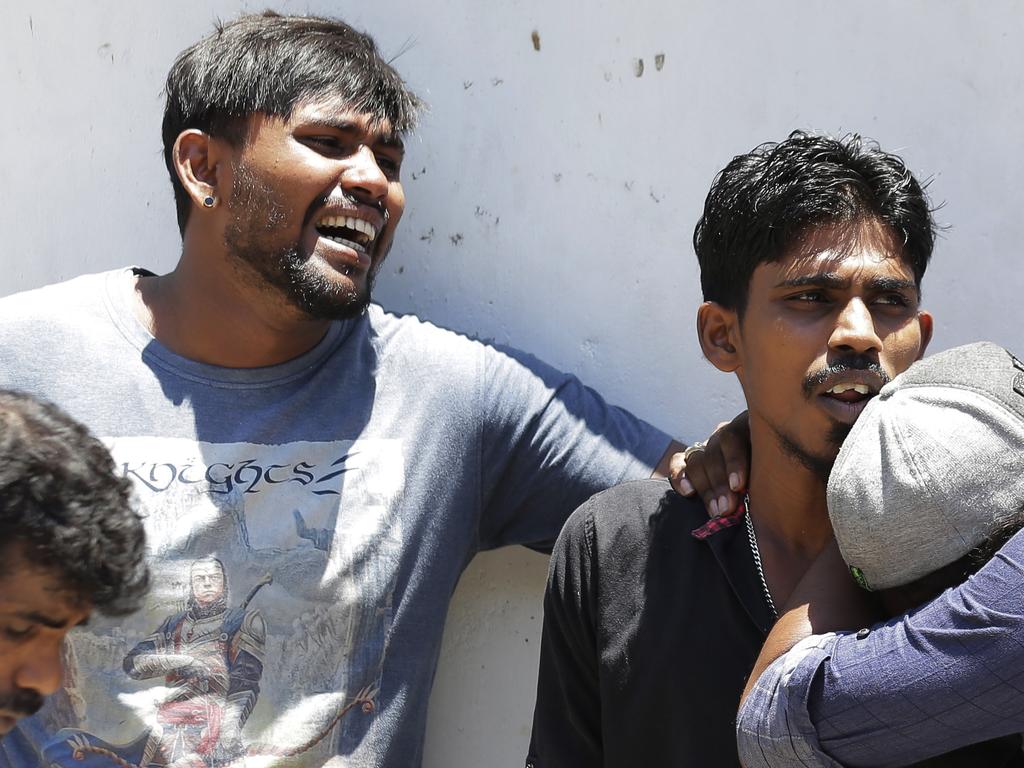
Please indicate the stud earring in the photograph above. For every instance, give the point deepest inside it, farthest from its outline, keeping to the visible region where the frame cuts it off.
(209, 201)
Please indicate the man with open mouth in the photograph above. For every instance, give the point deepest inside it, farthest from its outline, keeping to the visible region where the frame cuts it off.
(812, 252)
(340, 464)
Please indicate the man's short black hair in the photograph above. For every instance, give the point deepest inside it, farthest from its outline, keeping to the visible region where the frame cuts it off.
(270, 63)
(64, 509)
(762, 203)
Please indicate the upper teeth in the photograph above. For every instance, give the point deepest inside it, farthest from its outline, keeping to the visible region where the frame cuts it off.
(359, 225)
(860, 389)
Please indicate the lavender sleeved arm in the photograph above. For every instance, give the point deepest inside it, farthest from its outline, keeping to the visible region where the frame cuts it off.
(948, 674)
(774, 728)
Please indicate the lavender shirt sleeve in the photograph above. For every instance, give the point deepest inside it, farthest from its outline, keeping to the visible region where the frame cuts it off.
(948, 674)
(774, 728)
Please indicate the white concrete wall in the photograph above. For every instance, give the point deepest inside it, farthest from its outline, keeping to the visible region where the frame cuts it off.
(552, 196)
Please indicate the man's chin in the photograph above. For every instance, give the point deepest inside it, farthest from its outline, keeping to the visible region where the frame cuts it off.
(321, 292)
(331, 302)
(819, 461)
(316, 288)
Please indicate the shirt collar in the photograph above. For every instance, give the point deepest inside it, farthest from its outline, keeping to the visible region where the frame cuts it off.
(716, 524)
(731, 548)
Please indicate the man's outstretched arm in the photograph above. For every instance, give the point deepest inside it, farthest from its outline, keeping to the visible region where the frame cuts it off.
(949, 674)
(825, 600)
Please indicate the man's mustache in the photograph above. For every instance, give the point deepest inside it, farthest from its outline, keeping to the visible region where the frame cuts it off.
(22, 702)
(844, 365)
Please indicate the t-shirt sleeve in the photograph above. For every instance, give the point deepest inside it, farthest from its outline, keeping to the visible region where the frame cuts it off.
(567, 716)
(548, 443)
(948, 674)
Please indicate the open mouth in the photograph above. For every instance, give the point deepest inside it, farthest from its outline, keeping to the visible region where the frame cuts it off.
(845, 400)
(357, 234)
(850, 393)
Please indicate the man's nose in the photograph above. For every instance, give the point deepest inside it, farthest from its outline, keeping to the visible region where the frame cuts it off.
(364, 177)
(42, 669)
(855, 329)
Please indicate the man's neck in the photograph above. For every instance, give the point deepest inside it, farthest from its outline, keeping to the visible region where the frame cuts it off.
(789, 511)
(212, 313)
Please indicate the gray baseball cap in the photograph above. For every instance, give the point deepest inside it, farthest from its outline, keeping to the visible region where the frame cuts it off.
(932, 467)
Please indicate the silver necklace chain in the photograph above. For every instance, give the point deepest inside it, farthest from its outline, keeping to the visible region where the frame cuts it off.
(757, 556)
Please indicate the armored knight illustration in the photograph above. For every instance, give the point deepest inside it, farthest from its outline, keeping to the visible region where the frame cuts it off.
(211, 658)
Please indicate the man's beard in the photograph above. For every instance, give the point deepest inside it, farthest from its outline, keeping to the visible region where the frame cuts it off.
(818, 464)
(249, 237)
(21, 701)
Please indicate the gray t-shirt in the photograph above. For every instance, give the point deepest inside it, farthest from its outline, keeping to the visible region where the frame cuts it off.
(307, 524)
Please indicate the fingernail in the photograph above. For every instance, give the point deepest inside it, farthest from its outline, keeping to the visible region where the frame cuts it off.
(714, 507)
(685, 487)
(734, 480)
(723, 504)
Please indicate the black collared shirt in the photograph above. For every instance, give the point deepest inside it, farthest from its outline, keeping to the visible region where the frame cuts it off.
(649, 635)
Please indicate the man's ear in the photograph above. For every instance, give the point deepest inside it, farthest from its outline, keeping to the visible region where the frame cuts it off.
(198, 161)
(718, 334)
(926, 322)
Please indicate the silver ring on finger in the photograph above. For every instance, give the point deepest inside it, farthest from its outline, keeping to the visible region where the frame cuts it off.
(698, 446)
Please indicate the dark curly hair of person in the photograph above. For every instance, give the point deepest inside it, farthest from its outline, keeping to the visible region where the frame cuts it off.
(65, 509)
(763, 202)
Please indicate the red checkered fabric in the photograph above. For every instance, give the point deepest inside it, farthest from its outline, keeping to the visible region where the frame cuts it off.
(716, 524)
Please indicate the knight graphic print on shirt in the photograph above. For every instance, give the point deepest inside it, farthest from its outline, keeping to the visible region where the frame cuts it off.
(264, 580)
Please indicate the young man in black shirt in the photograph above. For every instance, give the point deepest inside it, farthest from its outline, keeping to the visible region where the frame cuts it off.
(812, 252)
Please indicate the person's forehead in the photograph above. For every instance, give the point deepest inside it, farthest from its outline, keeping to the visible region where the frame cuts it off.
(36, 594)
(866, 251)
(850, 263)
(206, 569)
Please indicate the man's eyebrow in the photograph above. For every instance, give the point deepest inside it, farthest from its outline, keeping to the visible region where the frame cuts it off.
(342, 126)
(41, 618)
(818, 280)
(392, 139)
(897, 284)
(833, 280)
